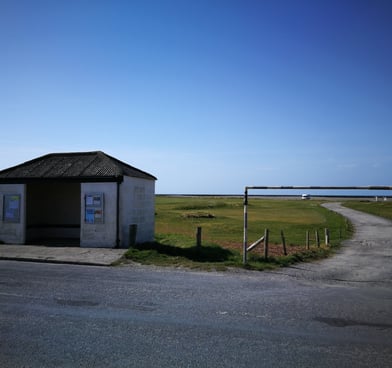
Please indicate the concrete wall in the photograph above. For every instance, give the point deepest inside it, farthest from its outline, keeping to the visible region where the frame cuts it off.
(13, 232)
(99, 234)
(137, 206)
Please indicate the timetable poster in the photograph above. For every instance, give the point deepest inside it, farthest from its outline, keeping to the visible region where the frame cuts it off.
(11, 208)
(94, 208)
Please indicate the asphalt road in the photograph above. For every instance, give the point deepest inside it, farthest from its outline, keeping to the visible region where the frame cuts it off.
(334, 313)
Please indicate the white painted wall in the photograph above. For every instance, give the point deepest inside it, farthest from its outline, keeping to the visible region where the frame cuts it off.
(100, 234)
(13, 233)
(137, 206)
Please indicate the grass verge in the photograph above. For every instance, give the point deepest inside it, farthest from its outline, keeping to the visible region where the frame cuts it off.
(214, 257)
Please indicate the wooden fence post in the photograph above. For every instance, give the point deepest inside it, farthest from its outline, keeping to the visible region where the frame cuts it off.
(326, 236)
(283, 242)
(317, 238)
(198, 237)
(266, 232)
(307, 239)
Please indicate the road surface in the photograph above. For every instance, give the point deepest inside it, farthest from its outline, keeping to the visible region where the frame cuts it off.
(333, 313)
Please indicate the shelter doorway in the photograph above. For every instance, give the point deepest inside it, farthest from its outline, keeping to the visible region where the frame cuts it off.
(53, 212)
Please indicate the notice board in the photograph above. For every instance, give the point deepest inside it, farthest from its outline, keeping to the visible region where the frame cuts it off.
(94, 208)
(11, 208)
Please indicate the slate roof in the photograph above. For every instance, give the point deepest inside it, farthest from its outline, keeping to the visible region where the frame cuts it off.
(79, 166)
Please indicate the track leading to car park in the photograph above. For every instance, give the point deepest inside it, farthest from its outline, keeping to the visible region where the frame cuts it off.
(365, 258)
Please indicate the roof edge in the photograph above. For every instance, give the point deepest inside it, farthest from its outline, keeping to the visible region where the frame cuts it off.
(118, 177)
(130, 166)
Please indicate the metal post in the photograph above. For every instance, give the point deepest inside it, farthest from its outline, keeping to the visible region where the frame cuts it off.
(245, 243)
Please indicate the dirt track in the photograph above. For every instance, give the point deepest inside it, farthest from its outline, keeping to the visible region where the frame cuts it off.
(365, 258)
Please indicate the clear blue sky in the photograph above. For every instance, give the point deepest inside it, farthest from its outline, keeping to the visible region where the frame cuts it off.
(207, 95)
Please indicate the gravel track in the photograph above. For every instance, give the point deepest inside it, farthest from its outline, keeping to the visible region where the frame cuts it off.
(364, 259)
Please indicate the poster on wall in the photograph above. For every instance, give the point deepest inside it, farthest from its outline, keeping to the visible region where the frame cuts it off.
(94, 208)
(11, 208)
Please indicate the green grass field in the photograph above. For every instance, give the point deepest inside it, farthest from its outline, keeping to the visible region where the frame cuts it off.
(381, 208)
(221, 219)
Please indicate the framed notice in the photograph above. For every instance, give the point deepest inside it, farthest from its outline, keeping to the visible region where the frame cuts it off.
(93, 208)
(94, 200)
(11, 208)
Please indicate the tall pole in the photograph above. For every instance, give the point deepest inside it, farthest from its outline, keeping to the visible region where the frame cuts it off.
(245, 243)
